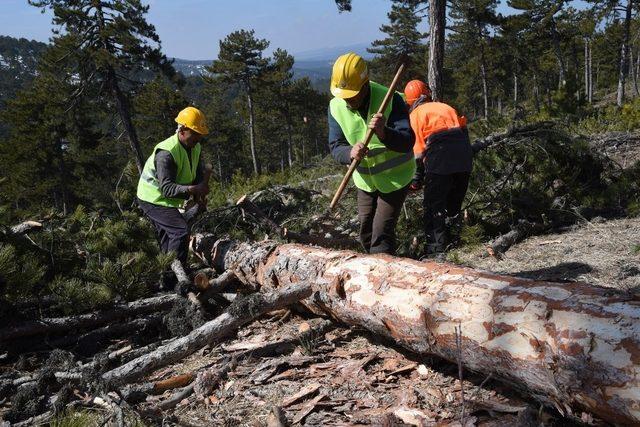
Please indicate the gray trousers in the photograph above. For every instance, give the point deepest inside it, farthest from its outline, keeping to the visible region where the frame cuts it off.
(378, 213)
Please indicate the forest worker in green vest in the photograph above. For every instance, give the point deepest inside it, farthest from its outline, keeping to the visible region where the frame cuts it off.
(172, 173)
(387, 164)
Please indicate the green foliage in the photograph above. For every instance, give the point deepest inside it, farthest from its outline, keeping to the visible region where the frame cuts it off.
(73, 295)
(20, 272)
(19, 59)
(612, 118)
(403, 40)
(91, 260)
(155, 107)
(88, 417)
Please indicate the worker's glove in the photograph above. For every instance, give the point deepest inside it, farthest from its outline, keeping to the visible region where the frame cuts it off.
(415, 185)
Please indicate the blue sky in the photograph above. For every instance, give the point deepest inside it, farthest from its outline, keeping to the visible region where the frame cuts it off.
(191, 29)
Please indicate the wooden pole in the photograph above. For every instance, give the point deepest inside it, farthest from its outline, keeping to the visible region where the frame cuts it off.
(354, 163)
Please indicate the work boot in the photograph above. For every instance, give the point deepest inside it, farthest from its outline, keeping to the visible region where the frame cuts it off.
(454, 228)
(436, 246)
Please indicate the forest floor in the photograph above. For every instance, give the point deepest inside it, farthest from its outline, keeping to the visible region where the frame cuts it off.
(353, 378)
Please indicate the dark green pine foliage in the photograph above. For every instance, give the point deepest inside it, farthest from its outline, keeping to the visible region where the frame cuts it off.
(225, 144)
(18, 62)
(276, 104)
(403, 41)
(156, 106)
(53, 142)
(241, 62)
(115, 45)
(541, 15)
(474, 22)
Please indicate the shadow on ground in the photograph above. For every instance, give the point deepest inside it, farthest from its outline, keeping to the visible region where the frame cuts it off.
(565, 271)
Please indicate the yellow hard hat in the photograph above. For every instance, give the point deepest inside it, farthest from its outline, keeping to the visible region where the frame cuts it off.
(349, 74)
(193, 118)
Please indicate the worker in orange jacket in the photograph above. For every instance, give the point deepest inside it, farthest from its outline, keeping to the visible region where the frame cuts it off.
(444, 159)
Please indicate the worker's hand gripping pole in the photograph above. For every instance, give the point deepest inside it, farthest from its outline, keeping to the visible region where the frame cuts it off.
(367, 138)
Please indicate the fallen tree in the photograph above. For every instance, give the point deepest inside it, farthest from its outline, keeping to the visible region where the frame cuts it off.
(570, 345)
(73, 323)
(239, 313)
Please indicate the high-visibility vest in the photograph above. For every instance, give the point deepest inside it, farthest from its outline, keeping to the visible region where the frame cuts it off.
(430, 118)
(149, 186)
(382, 169)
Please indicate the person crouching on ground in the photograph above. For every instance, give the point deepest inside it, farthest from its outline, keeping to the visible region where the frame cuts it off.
(172, 174)
(387, 164)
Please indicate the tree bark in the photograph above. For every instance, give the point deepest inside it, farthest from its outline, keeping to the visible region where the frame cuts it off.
(570, 345)
(624, 54)
(239, 313)
(555, 38)
(125, 115)
(65, 324)
(536, 92)
(587, 70)
(25, 227)
(252, 132)
(437, 21)
(590, 73)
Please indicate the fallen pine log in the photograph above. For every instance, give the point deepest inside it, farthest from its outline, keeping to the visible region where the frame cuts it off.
(572, 346)
(72, 323)
(241, 312)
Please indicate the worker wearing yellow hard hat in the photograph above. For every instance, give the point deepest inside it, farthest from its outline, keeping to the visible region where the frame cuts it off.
(387, 165)
(174, 172)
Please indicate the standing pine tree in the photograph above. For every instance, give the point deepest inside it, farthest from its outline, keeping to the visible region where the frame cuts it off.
(541, 15)
(473, 22)
(114, 42)
(403, 38)
(240, 62)
(52, 136)
(437, 23)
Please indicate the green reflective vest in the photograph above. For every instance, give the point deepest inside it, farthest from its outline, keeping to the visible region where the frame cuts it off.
(148, 185)
(382, 169)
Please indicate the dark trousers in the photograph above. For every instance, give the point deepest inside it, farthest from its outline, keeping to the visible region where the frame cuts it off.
(171, 228)
(378, 214)
(443, 196)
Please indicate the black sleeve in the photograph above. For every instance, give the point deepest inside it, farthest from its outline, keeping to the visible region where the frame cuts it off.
(338, 145)
(199, 171)
(398, 133)
(166, 171)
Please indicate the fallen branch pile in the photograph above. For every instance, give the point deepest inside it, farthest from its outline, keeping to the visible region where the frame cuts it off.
(571, 346)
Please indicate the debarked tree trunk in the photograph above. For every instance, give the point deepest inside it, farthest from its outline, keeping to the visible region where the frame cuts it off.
(570, 345)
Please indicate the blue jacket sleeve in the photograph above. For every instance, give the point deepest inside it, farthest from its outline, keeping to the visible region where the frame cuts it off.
(398, 133)
(338, 145)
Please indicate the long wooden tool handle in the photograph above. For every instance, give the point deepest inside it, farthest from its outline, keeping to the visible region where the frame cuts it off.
(367, 139)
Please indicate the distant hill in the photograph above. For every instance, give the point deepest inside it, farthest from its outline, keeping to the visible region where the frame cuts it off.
(314, 69)
(331, 53)
(18, 61)
(314, 64)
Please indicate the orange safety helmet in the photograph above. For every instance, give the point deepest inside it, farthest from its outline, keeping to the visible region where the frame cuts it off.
(414, 89)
